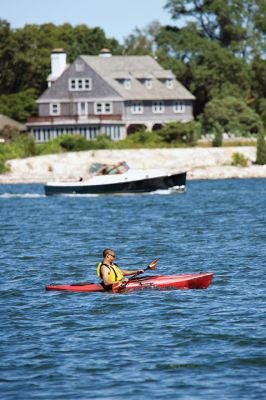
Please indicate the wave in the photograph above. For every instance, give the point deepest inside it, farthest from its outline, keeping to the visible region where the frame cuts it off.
(21, 195)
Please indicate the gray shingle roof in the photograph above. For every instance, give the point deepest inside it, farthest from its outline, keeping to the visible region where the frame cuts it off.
(115, 69)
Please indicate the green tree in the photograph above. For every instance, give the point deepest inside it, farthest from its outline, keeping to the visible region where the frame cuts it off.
(236, 25)
(19, 106)
(230, 115)
(142, 41)
(25, 59)
(25, 52)
(258, 86)
(214, 48)
(7, 54)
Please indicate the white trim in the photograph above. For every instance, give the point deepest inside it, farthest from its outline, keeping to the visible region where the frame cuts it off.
(77, 99)
(179, 107)
(158, 107)
(169, 83)
(82, 108)
(54, 108)
(103, 107)
(148, 83)
(136, 107)
(127, 83)
(79, 84)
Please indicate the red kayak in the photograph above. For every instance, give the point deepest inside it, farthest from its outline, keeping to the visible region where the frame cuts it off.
(192, 281)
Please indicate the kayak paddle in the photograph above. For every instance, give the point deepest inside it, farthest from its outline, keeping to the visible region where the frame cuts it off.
(117, 286)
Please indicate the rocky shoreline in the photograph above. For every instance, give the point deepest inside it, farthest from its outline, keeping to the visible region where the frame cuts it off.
(200, 163)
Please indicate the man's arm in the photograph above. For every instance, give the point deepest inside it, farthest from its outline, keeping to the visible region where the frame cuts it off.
(105, 275)
(136, 271)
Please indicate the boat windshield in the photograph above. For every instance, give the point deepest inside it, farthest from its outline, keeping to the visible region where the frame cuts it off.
(109, 169)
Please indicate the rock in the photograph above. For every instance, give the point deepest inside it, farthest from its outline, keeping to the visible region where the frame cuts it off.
(200, 163)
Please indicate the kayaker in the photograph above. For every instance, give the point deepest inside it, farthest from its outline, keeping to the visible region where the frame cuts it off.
(110, 273)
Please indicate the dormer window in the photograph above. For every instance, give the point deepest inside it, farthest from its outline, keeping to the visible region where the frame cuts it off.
(78, 84)
(148, 83)
(169, 83)
(127, 83)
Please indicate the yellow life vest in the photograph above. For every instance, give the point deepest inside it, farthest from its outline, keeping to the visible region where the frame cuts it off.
(115, 273)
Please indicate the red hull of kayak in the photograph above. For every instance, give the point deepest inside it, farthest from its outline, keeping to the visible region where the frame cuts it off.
(192, 281)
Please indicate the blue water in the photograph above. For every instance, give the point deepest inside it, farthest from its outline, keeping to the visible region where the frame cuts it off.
(195, 344)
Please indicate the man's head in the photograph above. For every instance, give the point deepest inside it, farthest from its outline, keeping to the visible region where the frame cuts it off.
(109, 254)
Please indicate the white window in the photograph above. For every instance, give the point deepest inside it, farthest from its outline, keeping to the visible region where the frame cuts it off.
(83, 108)
(127, 83)
(148, 83)
(179, 106)
(103, 108)
(158, 107)
(72, 84)
(137, 107)
(169, 83)
(75, 84)
(54, 109)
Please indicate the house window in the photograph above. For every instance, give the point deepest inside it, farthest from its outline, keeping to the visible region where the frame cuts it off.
(72, 84)
(169, 83)
(137, 107)
(82, 108)
(179, 106)
(54, 109)
(148, 83)
(127, 83)
(158, 107)
(103, 108)
(75, 84)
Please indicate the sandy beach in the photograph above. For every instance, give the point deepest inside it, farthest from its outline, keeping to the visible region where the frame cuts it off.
(200, 163)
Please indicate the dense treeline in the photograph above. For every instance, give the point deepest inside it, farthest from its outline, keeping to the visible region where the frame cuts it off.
(25, 60)
(218, 52)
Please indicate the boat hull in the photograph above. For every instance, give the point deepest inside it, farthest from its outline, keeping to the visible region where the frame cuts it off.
(189, 281)
(127, 186)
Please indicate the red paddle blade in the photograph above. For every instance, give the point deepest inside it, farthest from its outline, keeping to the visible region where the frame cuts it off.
(153, 264)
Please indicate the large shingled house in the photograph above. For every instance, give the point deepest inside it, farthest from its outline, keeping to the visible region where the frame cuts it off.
(105, 94)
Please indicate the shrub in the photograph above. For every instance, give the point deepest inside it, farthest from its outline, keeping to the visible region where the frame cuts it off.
(3, 167)
(72, 142)
(102, 142)
(140, 139)
(180, 132)
(22, 146)
(261, 149)
(218, 139)
(51, 147)
(239, 159)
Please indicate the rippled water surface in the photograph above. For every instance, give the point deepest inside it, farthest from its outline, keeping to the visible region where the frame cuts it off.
(195, 344)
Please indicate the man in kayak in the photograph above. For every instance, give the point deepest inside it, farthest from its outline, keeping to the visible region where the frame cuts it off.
(110, 273)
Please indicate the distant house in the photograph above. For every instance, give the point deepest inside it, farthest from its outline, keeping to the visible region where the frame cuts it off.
(105, 94)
